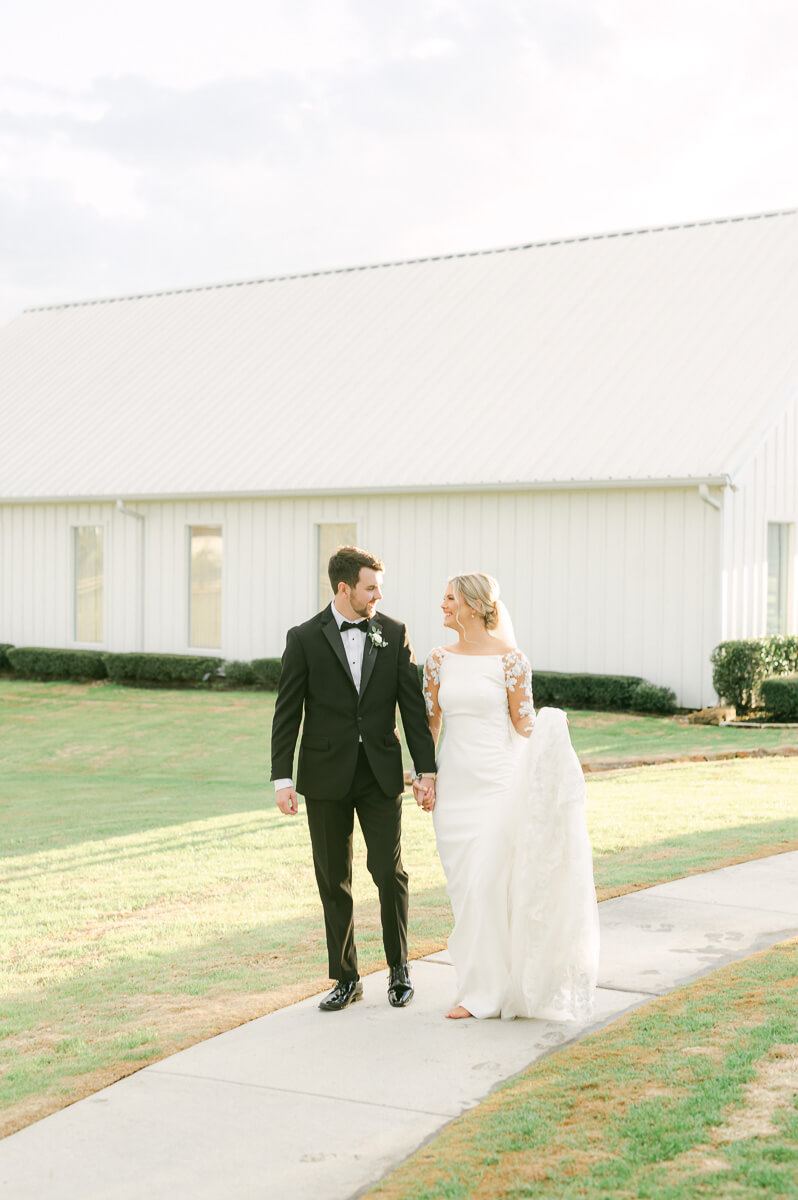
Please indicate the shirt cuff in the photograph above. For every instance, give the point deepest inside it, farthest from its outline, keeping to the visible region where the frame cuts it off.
(282, 783)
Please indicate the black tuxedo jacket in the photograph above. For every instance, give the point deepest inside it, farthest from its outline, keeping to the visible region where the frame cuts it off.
(316, 677)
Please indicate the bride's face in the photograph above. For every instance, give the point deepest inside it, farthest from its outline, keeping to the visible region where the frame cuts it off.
(455, 611)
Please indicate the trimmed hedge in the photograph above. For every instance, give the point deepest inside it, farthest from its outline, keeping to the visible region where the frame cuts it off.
(628, 693)
(741, 666)
(780, 697)
(5, 662)
(267, 672)
(625, 693)
(651, 697)
(237, 674)
(43, 662)
(161, 668)
(619, 692)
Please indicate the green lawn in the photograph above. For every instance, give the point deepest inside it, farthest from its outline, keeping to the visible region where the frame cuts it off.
(153, 895)
(691, 1096)
(611, 737)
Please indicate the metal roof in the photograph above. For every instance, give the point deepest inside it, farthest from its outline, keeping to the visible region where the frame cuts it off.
(660, 354)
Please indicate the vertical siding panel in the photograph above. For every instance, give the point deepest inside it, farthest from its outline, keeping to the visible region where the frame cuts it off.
(6, 628)
(540, 506)
(634, 591)
(558, 591)
(523, 609)
(26, 589)
(575, 606)
(674, 610)
(711, 607)
(64, 575)
(595, 565)
(260, 598)
(656, 584)
(613, 582)
(274, 630)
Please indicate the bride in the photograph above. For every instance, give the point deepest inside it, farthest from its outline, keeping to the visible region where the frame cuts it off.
(509, 823)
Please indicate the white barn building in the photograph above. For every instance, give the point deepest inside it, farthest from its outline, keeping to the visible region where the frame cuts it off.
(608, 424)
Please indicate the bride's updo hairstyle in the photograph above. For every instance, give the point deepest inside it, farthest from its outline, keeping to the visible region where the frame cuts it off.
(481, 593)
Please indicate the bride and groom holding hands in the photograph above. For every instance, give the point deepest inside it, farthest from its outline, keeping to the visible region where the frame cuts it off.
(507, 803)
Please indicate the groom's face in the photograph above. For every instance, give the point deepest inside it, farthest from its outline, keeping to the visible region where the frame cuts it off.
(366, 593)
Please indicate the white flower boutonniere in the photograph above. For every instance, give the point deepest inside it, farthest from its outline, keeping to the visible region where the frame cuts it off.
(376, 637)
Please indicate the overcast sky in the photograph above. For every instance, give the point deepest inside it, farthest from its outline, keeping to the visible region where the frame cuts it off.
(170, 143)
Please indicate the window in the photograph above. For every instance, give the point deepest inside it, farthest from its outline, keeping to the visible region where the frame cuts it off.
(205, 588)
(330, 538)
(778, 576)
(88, 583)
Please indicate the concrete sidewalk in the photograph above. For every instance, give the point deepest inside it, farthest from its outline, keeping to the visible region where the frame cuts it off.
(302, 1104)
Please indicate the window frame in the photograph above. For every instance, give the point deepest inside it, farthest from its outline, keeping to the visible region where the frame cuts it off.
(190, 527)
(74, 527)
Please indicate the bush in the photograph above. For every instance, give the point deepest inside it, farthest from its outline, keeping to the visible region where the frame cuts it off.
(621, 692)
(267, 672)
(166, 669)
(237, 674)
(43, 662)
(585, 691)
(5, 663)
(649, 697)
(780, 697)
(739, 667)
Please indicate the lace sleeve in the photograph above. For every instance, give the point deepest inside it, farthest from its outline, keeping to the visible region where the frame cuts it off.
(432, 679)
(518, 680)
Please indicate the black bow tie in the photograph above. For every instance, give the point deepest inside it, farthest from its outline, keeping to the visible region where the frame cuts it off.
(361, 625)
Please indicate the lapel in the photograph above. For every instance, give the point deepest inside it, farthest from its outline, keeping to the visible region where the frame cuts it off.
(370, 652)
(333, 636)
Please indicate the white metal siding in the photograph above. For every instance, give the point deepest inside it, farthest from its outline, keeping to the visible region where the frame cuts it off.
(604, 581)
(767, 491)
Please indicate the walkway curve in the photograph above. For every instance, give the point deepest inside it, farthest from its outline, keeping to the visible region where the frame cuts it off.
(304, 1105)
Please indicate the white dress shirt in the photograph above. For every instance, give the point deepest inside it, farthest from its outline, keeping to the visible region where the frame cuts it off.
(354, 645)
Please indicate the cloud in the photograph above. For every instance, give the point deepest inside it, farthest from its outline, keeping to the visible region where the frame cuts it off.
(351, 132)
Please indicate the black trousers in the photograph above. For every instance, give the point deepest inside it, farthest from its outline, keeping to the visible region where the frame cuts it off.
(331, 825)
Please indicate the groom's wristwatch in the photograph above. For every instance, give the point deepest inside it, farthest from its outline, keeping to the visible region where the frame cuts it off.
(425, 775)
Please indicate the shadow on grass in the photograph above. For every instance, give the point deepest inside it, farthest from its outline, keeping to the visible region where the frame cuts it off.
(67, 811)
(267, 955)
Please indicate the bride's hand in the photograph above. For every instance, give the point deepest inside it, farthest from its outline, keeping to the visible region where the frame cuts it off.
(424, 792)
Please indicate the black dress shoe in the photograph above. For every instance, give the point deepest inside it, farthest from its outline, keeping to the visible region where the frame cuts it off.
(345, 992)
(400, 989)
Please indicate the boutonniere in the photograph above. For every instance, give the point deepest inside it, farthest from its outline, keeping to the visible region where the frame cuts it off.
(375, 634)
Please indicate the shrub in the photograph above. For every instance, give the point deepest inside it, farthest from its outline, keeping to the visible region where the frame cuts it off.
(585, 691)
(43, 662)
(166, 669)
(237, 674)
(267, 672)
(649, 697)
(5, 663)
(780, 655)
(780, 697)
(740, 666)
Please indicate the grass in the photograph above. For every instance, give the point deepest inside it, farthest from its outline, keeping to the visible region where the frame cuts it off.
(153, 895)
(612, 737)
(691, 1096)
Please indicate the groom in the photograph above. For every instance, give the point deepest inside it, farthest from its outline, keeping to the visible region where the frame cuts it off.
(348, 668)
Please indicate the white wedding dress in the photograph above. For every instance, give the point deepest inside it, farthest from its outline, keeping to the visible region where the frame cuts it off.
(510, 826)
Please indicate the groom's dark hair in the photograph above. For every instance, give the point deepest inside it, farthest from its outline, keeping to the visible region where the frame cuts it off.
(345, 564)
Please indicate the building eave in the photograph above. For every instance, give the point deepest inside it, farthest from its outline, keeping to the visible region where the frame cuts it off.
(538, 485)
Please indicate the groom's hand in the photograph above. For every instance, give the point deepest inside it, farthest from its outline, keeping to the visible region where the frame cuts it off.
(424, 792)
(287, 801)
